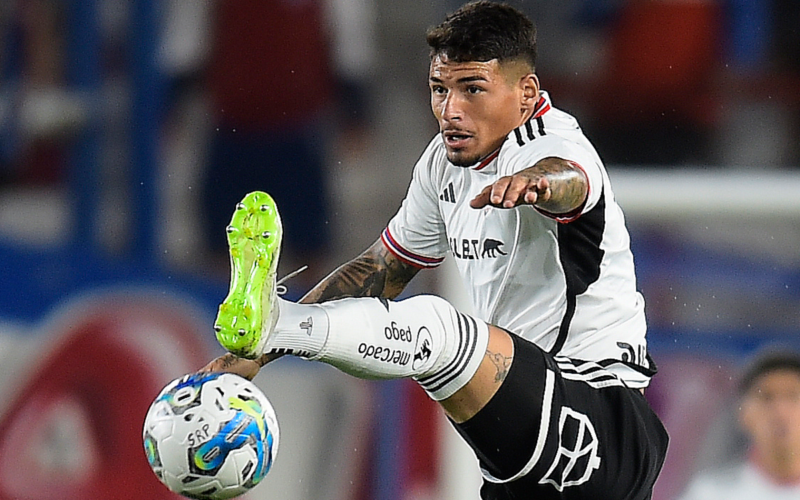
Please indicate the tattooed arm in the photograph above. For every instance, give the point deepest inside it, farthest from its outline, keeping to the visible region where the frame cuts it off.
(374, 273)
(554, 185)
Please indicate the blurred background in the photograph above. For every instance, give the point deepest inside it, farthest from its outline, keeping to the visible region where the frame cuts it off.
(130, 128)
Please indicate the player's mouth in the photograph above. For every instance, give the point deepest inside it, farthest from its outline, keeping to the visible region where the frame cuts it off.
(456, 139)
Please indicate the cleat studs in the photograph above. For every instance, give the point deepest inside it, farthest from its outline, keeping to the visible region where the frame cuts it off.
(230, 229)
(264, 208)
(242, 331)
(266, 234)
(217, 328)
(240, 206)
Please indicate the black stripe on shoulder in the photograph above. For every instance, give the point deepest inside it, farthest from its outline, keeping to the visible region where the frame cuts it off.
(540, 122)
(529, 130)
(518, 134)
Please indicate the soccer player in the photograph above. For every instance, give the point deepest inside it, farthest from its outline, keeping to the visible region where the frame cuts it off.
(545, 382)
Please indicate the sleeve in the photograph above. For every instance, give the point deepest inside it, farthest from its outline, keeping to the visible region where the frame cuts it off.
(416, 234)
(584, 159)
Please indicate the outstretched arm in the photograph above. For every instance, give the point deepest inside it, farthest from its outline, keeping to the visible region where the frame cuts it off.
(374, 273)
(554, 185)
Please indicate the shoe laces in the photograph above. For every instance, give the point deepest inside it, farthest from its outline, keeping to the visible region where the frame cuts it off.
(280, 288)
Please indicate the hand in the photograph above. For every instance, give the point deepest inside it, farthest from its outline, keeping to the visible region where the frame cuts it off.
(230, 363)
(513, 190)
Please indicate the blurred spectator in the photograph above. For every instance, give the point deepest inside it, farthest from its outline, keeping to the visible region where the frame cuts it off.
(36, 110)
(769, 416)
(787, 35)
(274, 80)
(760, 116)
(656, 101)
(183, 56)
(787, 67)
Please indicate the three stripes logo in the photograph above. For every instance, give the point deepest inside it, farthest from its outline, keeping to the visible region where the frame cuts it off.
(530, 133)
(448, 194)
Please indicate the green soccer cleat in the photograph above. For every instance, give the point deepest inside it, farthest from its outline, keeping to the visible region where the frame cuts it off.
(248, 314)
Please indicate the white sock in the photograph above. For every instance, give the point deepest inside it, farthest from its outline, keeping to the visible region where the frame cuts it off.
(301, 330)
(423, 337)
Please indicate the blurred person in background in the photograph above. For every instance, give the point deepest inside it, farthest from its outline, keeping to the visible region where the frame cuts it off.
(275, 77)
(769, 416)
(655, 99)
(37, 111)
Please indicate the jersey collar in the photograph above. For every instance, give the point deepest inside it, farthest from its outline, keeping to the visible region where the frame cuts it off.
(487, 160)
(542, 107)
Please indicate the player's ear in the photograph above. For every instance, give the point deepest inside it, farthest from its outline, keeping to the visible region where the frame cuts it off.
(529, 84)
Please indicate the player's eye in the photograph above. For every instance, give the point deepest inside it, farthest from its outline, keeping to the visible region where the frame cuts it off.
(438, 89)
(474, 89)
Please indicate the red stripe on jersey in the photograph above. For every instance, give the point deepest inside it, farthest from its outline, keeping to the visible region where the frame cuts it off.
(541, 107)
(488, 159)
(406, 256)
(574, 214)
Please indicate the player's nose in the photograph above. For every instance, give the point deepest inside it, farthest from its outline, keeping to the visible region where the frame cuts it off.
(452, 107)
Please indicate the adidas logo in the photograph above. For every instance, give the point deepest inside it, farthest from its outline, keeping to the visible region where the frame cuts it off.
(448, 194)
(307, 325)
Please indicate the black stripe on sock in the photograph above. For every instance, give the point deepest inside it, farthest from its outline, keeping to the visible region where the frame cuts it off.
(436, 376)
(456, 366)
(464, 358)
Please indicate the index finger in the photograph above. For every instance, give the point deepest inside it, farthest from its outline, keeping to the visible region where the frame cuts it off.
(482, 199)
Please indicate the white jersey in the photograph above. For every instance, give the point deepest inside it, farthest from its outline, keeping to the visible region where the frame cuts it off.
(743, 482)
(567, 282)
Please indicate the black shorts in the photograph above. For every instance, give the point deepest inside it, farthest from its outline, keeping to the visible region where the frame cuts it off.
(565, 429)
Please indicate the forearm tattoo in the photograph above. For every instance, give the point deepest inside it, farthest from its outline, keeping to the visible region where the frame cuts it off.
(568, 185)
(501, 363)
(374, 273)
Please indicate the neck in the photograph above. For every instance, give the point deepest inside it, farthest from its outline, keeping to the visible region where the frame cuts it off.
(526, 116)
(529, 112)
(782, 467)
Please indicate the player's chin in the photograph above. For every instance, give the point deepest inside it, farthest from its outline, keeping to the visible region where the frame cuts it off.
(462, 158)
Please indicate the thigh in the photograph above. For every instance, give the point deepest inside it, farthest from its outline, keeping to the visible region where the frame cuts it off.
(565, 429)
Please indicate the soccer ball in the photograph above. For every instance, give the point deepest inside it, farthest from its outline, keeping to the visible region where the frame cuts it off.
(211, 436)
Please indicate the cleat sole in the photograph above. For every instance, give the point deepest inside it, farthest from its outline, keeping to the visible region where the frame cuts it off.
(254, 239)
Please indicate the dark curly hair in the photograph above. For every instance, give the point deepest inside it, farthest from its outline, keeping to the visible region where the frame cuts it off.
(485, 30)
(767, 361)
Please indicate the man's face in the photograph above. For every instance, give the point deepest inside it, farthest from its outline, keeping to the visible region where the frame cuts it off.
(477, 104)
(770, 414)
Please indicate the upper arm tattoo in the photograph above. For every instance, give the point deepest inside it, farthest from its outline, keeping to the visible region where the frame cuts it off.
(374, 273)
(568, 185)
